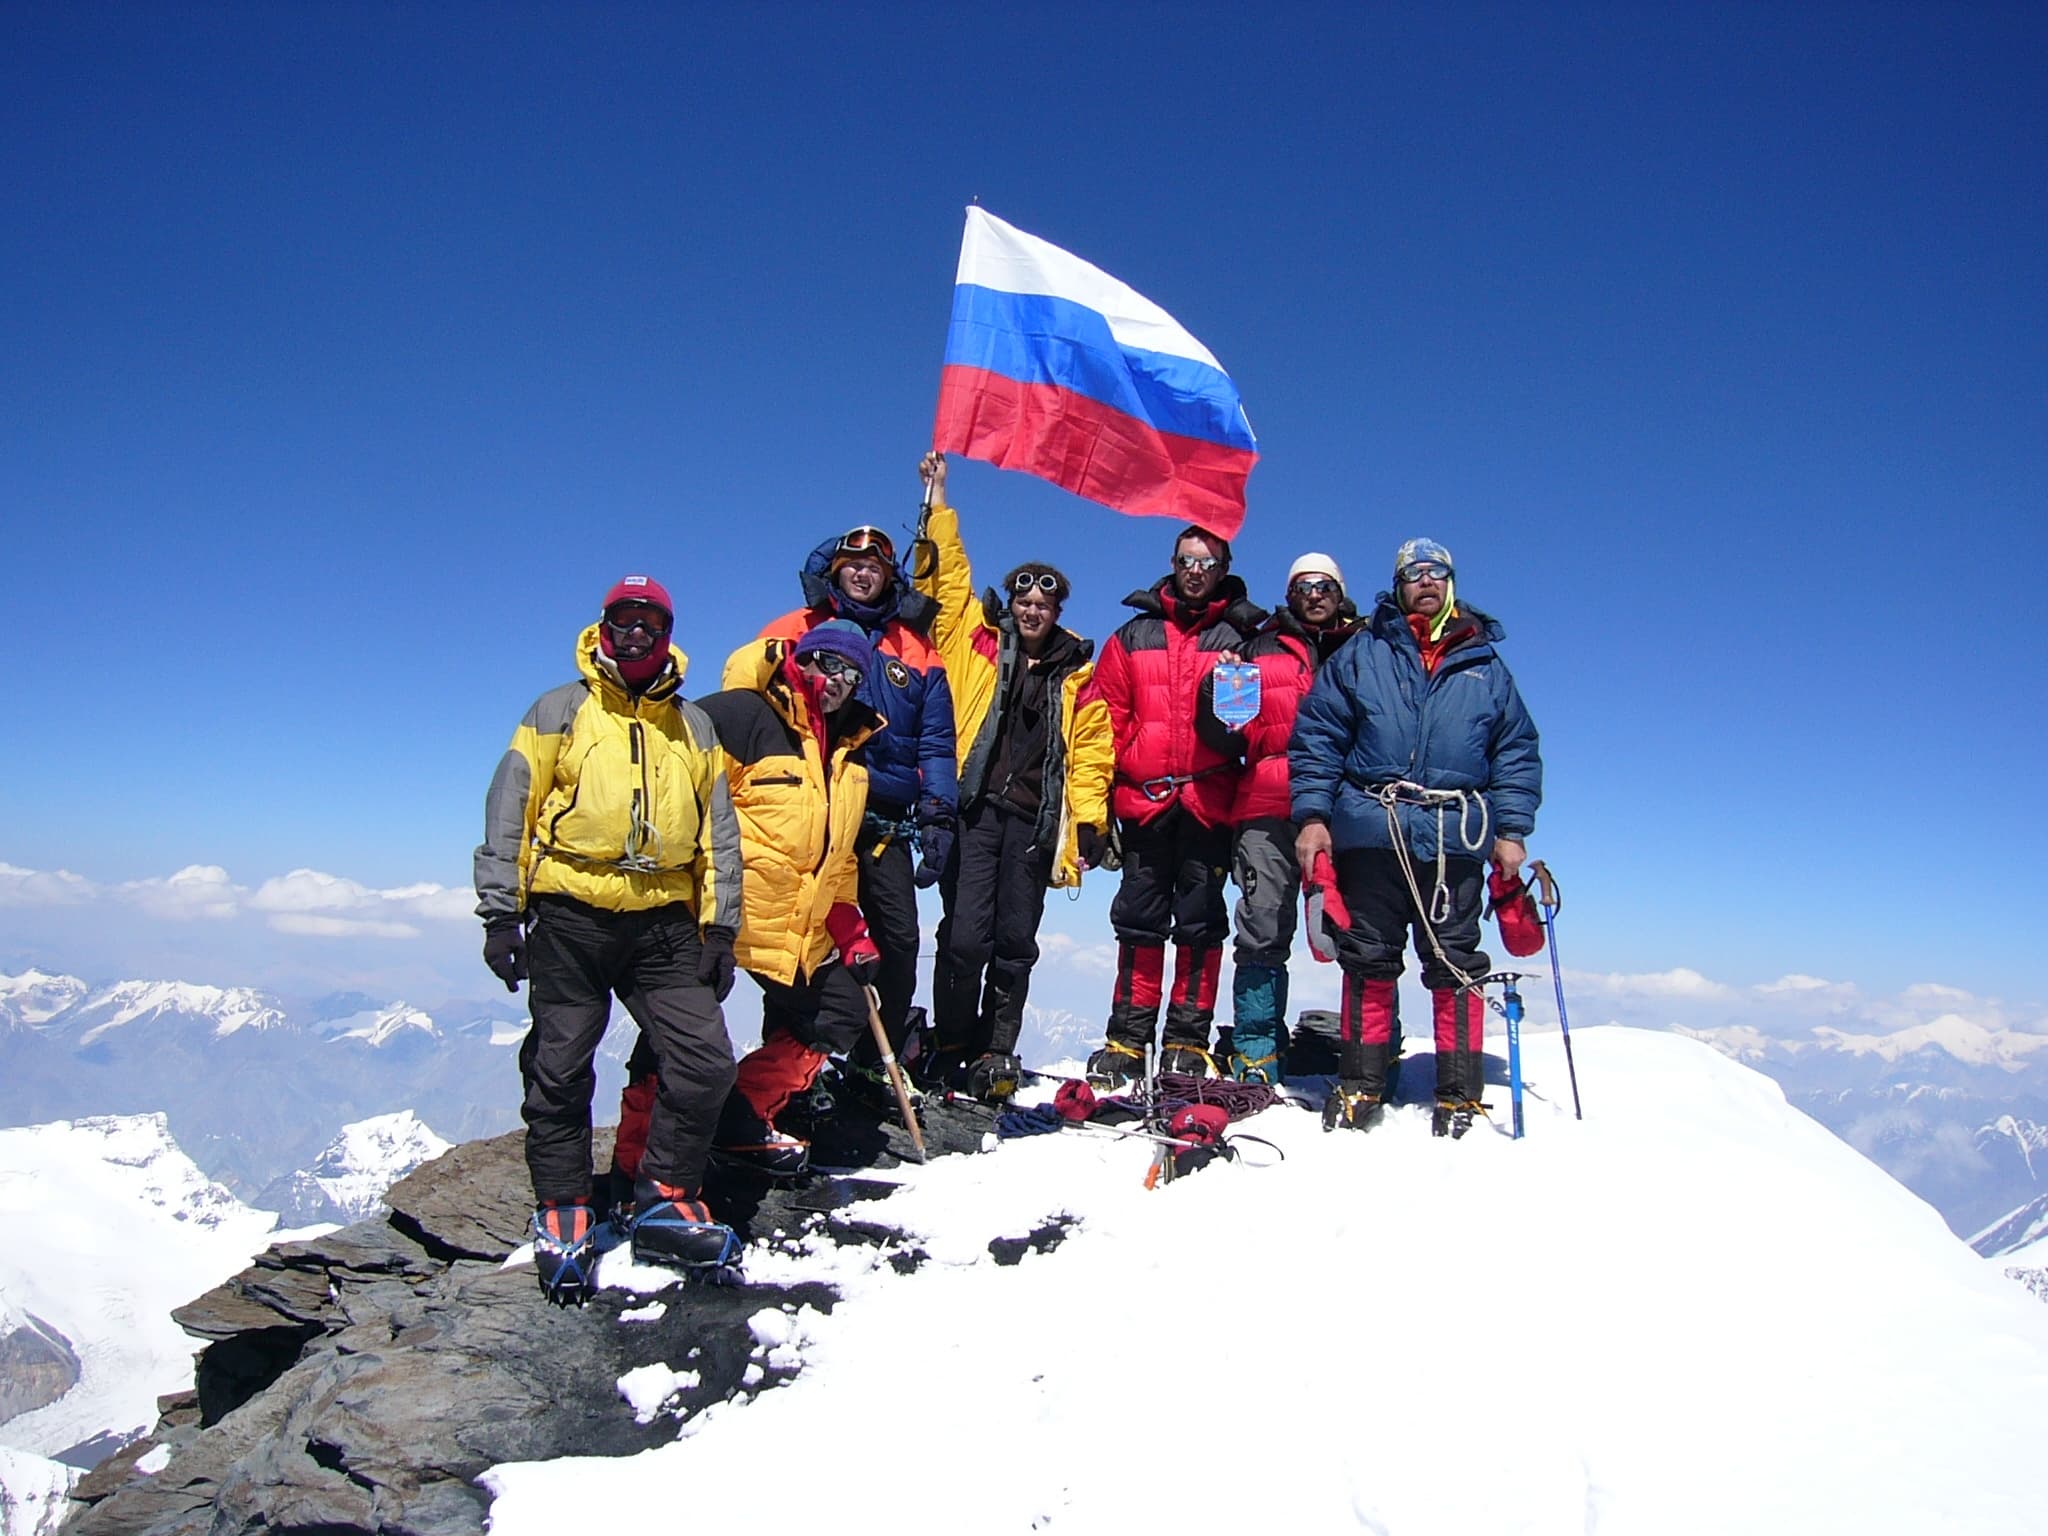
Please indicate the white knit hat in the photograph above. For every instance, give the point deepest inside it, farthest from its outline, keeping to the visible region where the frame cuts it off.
(1317, 565)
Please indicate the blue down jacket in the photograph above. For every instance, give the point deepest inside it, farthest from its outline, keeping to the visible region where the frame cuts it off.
(1374, 715)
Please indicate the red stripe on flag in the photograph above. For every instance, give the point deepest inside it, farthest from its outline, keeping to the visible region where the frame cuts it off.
(1089, 449)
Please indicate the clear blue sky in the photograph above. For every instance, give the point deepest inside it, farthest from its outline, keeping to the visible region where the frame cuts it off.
(351, 351)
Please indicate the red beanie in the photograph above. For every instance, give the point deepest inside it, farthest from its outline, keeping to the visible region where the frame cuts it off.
(640, 589)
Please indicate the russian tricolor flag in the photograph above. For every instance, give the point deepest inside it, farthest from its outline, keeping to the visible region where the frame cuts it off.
(1055, 368)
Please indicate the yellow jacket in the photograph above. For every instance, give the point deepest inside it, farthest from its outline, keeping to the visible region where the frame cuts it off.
(978, 641)
(617, 801)
(799, 814)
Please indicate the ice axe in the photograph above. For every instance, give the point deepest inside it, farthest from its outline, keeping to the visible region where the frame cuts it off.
(895, 1072)
(1552, 902)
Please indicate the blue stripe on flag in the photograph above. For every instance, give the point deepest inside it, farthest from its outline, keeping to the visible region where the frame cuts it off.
(1036, 339)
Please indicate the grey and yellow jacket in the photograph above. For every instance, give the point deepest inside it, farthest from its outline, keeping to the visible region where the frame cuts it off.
(620, 802)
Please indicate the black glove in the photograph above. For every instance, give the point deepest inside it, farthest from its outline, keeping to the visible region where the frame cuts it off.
(715, 964)
(864, 965)
(937, 842)
(1090, 845)
(505, 951)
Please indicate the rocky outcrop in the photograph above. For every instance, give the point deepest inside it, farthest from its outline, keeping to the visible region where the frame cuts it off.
(37, 1366)
(362, 1381)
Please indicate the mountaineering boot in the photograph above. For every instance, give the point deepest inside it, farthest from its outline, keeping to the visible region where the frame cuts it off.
(564, 1251)
(1188, 1061)
(673, 1226)
(1115, 1064)
(943, 1071)
(1255, 1054)
(1353, 1106)
(994, 1077)
(745, 1140)
(1360, 1098)
(1454, 1119)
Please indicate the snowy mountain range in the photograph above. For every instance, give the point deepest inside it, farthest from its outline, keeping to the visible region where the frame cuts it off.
(1955, 1111)
(254, 1086)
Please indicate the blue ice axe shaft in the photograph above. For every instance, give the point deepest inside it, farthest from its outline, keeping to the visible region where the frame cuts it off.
(1511, 1005)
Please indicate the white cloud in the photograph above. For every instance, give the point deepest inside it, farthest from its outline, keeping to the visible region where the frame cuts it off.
(314, 925)
(305, 901)
(1682, 982)
(198, 891)
(1806, 985)
(42, 888)
(312, 902)
(1086, 956)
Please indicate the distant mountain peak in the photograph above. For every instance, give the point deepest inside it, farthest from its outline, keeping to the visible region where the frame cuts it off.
(227, 1009)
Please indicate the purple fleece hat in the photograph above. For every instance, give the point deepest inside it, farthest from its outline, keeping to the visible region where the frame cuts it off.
(842, 638)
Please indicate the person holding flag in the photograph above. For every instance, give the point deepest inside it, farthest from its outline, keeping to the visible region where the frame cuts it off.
(1034, 787)
(1055, 368)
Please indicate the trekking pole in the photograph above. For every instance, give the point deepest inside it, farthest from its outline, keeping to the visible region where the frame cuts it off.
(895, 1072)
(1552, 902)
(1513, 1001)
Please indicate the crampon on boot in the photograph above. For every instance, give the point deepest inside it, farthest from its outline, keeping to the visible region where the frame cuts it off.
(1453, 1118)
(1255, 1054)
(1353, 1107)
(869, 1088)
(1188, 1061)
(994, 1077)
(1115, 1064)
(565, 1251)
(673, 1227)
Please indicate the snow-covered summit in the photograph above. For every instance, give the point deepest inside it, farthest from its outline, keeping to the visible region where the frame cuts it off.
(225, 1010)
(347, 1181)
(124, 1228)
(35, 997)
(376, 1026)
(1693, 1311)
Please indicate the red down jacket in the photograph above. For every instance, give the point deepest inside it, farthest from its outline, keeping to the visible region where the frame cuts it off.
(1150, 676)
(1287, 654)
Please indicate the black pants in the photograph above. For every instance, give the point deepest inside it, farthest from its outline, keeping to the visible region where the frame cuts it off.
(988, 940)
(1383, 915)
(1174, 869)
(578, 957)
(888, 900)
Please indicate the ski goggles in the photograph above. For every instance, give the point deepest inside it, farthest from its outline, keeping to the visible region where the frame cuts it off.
(1424, 570)
(866, 541)
(1044, 581)
(832, 665)
(1313, 586)
(624, 620)
(1197, 562)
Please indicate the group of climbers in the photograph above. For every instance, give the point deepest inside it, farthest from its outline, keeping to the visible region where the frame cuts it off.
(901, 730)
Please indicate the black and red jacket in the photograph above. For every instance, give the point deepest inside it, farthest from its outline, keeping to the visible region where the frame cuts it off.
(1150, 676)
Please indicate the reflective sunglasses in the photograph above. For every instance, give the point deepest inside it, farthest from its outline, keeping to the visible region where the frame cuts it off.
(833, 666)
(1045, 581)
(868, 541)
(1424, 570)
(1197, 562)
(625, 620)
(1312, 586)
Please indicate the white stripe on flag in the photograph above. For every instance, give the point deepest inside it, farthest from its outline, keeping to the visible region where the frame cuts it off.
(1000, 256)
